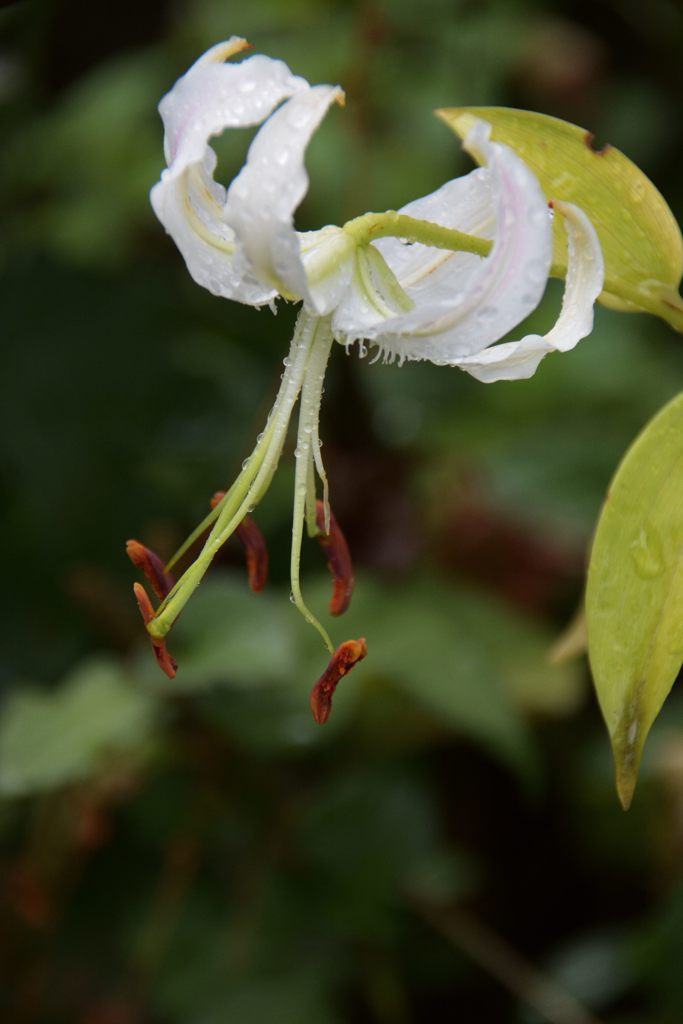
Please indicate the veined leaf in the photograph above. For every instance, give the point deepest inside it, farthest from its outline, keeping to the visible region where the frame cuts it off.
(634, 597)
(640, 238)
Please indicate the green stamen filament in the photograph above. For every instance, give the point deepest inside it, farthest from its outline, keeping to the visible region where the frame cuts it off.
(311, 395)
(250, 485)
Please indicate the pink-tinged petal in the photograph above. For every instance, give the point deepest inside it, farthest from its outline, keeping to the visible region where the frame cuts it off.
(464, 303)
(517, 360)
(263, 197)
(209, 98)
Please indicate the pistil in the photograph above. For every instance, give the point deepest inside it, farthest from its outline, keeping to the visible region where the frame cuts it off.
(251, 484)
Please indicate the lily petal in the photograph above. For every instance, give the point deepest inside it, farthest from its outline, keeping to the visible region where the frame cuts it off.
(327, 257)
(517, 360)
(209, 98)
(464, 303)
(263, 197)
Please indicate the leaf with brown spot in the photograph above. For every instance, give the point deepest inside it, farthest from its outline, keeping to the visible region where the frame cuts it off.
(640, 238)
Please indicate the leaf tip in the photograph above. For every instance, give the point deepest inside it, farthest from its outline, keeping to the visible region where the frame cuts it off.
(627, 748)
(626, 785)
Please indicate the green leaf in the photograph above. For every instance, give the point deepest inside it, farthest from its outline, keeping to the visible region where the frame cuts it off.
(640, 238)
(634, 597)
(47, 739)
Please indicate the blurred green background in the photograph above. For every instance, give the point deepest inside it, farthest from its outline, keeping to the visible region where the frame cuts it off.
(450, 846)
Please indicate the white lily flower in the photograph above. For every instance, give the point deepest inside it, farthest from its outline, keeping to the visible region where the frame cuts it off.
(410, 301)
(443, 279)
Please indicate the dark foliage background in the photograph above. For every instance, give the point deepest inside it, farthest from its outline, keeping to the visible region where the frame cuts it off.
(198, 852)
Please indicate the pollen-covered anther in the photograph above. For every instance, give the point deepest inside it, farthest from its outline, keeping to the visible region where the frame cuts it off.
(344, 658)
(338, 560)
(144, 558)
(166, 663)
(255, 549)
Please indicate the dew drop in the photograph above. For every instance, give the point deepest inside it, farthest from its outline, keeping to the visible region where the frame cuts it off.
(637, 193)
(646, 552)
(536, 271)
(286, 361)
(291, 597)
(298, 116)
(246, 462)
(487, 314)
(542, 216)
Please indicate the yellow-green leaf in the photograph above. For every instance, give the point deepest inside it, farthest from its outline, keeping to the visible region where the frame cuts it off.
(634, 597)
(640, 239)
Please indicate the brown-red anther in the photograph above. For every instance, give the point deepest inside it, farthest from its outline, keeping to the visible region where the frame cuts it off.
(166, 663)
(342, 661)
(144, 558)
(255, 549)
(338, 560)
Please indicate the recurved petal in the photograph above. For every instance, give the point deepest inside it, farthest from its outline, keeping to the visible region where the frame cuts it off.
(209, 98)
(263, 197)
(462, 303)
(212, 96)
(516, 360)
(585, 278)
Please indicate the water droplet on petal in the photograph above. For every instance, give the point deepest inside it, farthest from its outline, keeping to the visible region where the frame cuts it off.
(487, 314)
(541, 216)
(536, 271)
(298, 116)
